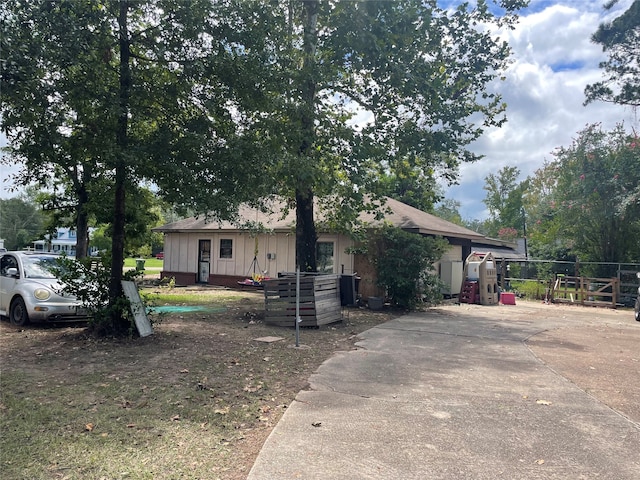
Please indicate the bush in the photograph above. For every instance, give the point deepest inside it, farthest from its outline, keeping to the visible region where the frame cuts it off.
(530, 289)
(403, 261)
(88, 280)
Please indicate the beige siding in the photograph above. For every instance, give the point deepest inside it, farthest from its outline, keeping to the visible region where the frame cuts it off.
(453, 254)
(181, 252)
(276, 253)
(342, 262)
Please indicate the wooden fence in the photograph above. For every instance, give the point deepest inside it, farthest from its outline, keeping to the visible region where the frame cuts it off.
(319, 300)
(600, 292)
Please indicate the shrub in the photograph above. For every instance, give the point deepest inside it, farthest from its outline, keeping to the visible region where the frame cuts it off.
(403, 262)
(530, 289)
(88, 280)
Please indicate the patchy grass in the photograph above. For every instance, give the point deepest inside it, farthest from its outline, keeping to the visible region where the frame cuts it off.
(148, 263)
(202, 296)
(195, 400)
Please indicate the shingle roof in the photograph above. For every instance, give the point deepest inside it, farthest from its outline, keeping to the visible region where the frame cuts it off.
(401, 215)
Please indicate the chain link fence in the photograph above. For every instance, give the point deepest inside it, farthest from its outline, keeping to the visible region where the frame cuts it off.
(536, 278)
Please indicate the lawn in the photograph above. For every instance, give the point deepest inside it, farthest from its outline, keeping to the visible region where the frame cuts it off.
(148, 263)
(194, 400)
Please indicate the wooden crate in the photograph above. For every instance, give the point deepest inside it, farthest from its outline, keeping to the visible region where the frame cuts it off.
(319, 300)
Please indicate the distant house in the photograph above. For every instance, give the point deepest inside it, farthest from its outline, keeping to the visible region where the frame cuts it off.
(63, 241)
(222, 253)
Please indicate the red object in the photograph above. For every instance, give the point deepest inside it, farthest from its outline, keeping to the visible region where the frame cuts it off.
(508, 298)
(470, 293)
(160, 256)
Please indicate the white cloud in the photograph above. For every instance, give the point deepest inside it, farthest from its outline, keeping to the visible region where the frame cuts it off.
(554, 60)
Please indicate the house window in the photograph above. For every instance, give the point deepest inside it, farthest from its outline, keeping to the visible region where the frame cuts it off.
(324, 256)
(226, 248)
(72, 234)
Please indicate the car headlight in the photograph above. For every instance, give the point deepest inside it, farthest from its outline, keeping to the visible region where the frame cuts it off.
(42, 293)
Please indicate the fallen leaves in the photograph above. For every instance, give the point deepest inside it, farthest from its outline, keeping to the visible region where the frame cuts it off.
(198, 369)
(252, 388)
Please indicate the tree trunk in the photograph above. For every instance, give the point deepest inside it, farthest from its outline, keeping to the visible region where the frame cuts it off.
(82, 225)
(306, 235)
(117, 244)
(305, 232)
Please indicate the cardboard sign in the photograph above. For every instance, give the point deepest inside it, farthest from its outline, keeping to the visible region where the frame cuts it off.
(137, 308)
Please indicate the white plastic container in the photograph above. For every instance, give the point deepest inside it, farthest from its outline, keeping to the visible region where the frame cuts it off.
(473, 271)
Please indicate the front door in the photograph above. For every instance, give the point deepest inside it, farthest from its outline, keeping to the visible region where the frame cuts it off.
(204, 260)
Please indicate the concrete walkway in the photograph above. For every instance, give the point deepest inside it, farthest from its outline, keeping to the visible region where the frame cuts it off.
(454, 393)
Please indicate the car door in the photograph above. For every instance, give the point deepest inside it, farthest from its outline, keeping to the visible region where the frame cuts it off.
(7, 281)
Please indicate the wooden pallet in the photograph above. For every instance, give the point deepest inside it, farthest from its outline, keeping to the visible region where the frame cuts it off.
(319, 300)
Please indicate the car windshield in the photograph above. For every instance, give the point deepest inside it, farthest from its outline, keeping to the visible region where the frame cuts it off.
(39, 267)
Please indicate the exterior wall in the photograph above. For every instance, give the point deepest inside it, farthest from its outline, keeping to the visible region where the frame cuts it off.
(182, 278)
(367, 273)
(275, 254)
(343, 263)
(454, 254)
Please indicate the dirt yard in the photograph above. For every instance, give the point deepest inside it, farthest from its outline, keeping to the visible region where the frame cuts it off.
(197, 399)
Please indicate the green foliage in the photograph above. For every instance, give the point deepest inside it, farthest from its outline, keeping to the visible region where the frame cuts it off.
(551, 251)
(504, 201)
(142, 212)
(620, 39)
(543, 223)
(411, 186)
(597, 196)
(100, 239)
(97, 100)
(88, 280)
(586, 202)
(345, 96)
(449, 210)
(404, 262)
(485, 227)
(20, 223)
(218, 103)
(530, 289)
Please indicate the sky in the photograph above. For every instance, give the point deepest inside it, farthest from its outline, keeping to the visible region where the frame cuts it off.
(553, 60)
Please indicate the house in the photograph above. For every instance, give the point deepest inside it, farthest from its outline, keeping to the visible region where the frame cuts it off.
(63, 241)
(224, 253)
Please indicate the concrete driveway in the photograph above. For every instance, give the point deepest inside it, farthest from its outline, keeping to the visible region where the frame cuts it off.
(530, 391)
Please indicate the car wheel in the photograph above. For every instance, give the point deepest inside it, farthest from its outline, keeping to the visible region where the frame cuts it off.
(638, 309)
(18, 312)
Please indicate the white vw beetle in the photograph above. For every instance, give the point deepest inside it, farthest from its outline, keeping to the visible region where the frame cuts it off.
(30, 292)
